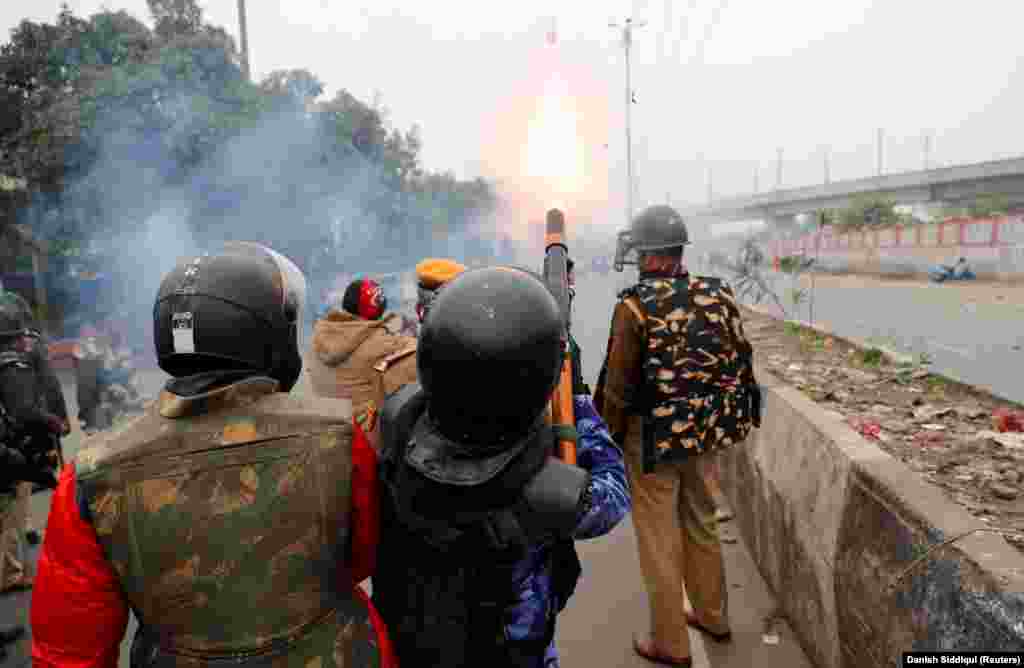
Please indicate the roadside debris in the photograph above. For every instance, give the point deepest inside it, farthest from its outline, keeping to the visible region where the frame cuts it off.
(1004, 420)
(967, 443)
(866, 428)
(770, 628)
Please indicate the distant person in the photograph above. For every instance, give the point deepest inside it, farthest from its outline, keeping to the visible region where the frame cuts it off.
(431, 275)
(961, 270)
(354, 355)
(676, 385)
(234, 518)
(28, 433)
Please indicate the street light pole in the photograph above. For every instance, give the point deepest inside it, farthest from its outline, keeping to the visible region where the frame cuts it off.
(881, 141)
(244, 38)
(627, 42)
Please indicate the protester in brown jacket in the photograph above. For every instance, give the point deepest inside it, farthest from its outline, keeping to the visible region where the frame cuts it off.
(358, 355)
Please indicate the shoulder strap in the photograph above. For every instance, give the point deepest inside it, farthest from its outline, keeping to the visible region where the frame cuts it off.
(386, 362)
(398, 415)
(625, 298)
(12, 358)
(637, 311)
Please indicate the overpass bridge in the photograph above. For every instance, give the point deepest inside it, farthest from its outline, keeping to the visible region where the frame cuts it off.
(946, 185)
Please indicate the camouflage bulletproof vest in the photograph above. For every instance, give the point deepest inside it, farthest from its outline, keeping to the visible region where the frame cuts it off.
(226, 517)
(696, 393)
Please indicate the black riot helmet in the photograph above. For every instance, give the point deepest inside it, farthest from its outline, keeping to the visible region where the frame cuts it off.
(657, 228)
(489, 355)
(237, 309)
(16, 317)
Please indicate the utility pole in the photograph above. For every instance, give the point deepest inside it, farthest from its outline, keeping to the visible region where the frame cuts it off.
(778, 171)
(627, 43)
(927, 150)
(664, 38)
(881, 139)
(244, 37)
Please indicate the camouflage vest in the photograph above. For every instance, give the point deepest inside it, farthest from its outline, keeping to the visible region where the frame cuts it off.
(226, 517)
(698, 384)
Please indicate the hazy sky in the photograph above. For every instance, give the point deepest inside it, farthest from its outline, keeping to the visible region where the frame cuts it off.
(719, 83)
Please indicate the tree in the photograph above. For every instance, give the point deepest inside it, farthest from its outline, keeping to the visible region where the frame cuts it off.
(294, 88)
(989, 205)
(868, 210)
(357, 124)
(176, 17)
(104, 116)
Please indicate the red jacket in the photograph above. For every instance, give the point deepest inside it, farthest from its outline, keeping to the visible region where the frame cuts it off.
(79, 614)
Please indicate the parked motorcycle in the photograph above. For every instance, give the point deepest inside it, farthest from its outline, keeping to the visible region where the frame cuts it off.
(958, 272)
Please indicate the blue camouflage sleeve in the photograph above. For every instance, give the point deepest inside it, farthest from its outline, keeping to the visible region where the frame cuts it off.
(596, 452)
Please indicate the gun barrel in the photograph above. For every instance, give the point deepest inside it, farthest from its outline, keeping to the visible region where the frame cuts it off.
(556, 275)
(556, 262)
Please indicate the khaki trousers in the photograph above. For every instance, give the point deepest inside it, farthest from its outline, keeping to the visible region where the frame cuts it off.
(13, 516)
(678, 544)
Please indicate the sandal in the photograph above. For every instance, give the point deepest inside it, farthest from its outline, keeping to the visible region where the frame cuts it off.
(646, 649)
(691, 619)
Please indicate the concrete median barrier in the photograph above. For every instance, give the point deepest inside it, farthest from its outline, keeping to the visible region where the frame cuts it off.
(834, 524)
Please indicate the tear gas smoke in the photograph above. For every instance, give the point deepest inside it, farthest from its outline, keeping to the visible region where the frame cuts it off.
(284, 181)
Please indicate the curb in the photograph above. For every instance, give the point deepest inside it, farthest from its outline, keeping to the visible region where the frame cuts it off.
(839, 530)
(890, 354)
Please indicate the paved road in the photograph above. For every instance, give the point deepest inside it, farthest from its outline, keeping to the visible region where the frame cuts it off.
(610, 603)
(974, 331)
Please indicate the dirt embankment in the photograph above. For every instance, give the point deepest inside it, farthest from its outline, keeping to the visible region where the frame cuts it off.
(949, 434)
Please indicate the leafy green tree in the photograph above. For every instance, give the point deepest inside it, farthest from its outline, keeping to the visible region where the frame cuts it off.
(86, 98)
(293, 88)
(868, 210)
(176, 17)
(989, 205)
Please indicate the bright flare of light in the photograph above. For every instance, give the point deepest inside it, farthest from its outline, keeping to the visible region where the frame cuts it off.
(554, 152)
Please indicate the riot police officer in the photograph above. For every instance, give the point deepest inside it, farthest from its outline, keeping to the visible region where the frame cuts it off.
(476, 556)
(20, 312)
(30, 434)
(677, 384)
(233, 518)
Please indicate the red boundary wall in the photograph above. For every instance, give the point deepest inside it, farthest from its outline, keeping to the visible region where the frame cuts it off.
(993, 246)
